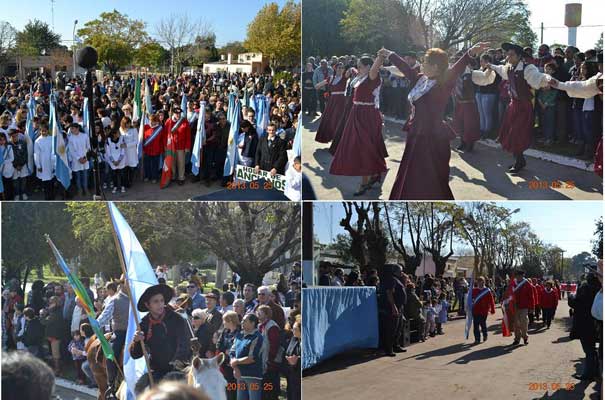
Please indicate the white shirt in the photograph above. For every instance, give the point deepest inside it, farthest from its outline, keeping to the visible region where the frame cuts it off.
(7, 168)
(533, 77)
(293, 184)
(131, 138)
(115, 152)
(581, 89)
(78, 145)
(43, 157)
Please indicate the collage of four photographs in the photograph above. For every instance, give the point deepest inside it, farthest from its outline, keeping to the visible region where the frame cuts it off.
(301, 199)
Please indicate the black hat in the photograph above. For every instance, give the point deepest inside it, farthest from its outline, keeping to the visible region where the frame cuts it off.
(518, 49)
(598, 59)
(165, 290)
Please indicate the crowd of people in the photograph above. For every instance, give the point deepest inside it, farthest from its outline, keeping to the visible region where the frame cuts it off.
(509, 92)
(415, 308)
(125, 156)
(256, 331)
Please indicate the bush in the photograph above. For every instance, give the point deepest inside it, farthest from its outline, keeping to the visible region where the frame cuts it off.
(287, 76)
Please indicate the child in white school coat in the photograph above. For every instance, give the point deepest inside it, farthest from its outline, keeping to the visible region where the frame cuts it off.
(115, 156)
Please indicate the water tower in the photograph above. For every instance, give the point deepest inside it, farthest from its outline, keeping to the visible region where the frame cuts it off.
(573, 19)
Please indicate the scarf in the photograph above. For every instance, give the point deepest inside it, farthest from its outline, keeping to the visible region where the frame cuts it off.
(153, 322)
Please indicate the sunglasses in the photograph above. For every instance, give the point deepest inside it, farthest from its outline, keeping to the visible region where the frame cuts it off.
(190, 287)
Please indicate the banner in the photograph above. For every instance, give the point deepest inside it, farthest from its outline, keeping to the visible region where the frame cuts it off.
(248, 174)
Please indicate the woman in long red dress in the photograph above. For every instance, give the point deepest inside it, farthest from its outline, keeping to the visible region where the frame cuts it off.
(424, 170)
(361, 151)
(352, 73)
(335, 107)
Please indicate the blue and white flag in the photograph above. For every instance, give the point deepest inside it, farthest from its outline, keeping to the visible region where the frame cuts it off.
(62, 169)
(262, 114)
(85, 117)
(1, 168)
(296, 146)
(140, 276)
(232, 153)
(30, 134)
(200, 137)
(145, 119)
(468, 306)
(184, 104)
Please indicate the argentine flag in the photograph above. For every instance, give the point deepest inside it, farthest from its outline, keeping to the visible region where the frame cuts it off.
(232, 153)
(468, 306)
(140, 276)
(62, 170)
(262, 114)
(200, 136)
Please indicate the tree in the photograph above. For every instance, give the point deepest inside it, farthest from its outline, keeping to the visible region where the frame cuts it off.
(597, 242)
(276, 33)
(115, 37)
(452, 23)
(35, 37)
(151, 54)
(342, 246)
(439, 220)
(253, 238)
(24, 247)
(578, 261)
(233, 48)
(8, 36)
(368, 241)
(403, 212)
(321, 27)
(367, 25)
(599, 44)
(178, 32)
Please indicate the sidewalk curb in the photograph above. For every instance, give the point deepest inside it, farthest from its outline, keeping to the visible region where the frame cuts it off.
(64, 383)
(539, 154)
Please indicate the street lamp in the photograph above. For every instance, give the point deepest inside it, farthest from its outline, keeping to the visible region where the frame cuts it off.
(73, 74)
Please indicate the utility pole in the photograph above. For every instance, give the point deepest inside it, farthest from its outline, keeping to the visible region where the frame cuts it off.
(542, 33)
(562, 251)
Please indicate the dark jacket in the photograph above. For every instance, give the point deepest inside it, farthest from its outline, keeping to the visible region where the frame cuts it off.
(215, 320)
(413, 306)
(250, 144)
(271, 157)
(583, 323)
(166, 342)
(204, 338)
(33, 335)
(54, 323)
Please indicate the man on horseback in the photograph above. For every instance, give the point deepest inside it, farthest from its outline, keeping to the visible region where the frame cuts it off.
(116, 310)
(165, 335)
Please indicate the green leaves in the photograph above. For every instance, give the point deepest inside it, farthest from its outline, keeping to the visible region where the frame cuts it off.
(35, 37)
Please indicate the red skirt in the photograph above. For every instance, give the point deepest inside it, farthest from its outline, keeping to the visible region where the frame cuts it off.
(515, 134)
(466, 122)
(361, 151)
(341, 124)
(330, 118)
(425, 167)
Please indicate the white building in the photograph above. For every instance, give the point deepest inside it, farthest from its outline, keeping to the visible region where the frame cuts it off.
(247, 63)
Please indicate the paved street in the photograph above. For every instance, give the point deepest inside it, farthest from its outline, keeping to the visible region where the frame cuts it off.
(69, 394)
(480, 175)
(448, 367)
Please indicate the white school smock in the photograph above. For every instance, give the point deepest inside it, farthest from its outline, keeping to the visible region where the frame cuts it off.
(293, 184)
(78, 145)
(131, 139)
(115, 152)
(7, 166)
(43, 157)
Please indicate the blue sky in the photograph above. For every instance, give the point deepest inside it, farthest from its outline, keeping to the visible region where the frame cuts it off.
(567, 224)
(229, 18)
(552, 14)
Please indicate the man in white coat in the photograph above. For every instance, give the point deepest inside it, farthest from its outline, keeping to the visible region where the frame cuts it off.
(43, 158)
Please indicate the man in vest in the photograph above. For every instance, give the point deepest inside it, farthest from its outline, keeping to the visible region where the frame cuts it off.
(523, 295)
(116, 311)
(483, 302)
(516, 131)
(271, 351)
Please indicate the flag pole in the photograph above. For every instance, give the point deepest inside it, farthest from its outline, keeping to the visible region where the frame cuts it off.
(127, 283)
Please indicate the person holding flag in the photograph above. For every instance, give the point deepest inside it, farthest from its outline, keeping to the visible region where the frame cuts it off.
(116, 311)
(164, 333)
(152, 148)
(178, 128)
(483, 303)
(524, 301)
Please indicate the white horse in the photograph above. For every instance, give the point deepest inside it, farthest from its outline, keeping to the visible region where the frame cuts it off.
(203, 374)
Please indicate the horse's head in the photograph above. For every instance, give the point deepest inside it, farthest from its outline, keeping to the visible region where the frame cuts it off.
(205, 375)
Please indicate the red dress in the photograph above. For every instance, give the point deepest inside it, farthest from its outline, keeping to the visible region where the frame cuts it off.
(424, 171)
(156, 147)
(515, 133)
(341, 124)
(361, 150)
(598, 161)
(333, 111)
(466, 115)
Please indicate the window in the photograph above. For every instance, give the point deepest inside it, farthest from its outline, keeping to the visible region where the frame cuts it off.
(248, 58)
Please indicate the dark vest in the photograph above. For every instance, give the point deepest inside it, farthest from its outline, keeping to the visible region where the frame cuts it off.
(119, 321)
(518, 88)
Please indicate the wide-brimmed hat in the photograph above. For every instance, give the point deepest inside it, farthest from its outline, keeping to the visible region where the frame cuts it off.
(518, 49)
(165, 290)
